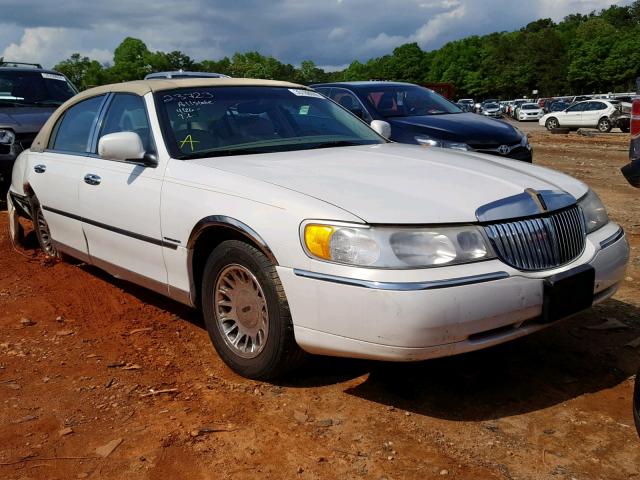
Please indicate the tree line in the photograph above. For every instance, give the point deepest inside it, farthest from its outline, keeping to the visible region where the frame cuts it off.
(596, 52)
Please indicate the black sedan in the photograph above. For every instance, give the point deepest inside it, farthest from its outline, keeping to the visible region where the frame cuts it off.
(420, 116)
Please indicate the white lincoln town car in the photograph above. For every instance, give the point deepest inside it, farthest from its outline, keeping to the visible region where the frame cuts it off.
(295, 227)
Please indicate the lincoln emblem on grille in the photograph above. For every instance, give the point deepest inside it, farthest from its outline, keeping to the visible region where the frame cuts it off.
(537, 198)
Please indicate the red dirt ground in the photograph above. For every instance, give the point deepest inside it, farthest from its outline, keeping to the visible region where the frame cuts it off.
(99, 352)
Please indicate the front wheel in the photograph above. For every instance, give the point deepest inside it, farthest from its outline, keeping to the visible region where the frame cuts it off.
(246, 312)
(552, 123)
(604, 125)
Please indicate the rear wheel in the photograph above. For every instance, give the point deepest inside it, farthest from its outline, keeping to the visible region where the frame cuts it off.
(42, 232)
(625, 129)
(246, 312)
(604, 125)
(552, 123)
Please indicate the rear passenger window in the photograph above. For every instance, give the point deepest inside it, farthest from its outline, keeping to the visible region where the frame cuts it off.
(71, 134)
(127, 113)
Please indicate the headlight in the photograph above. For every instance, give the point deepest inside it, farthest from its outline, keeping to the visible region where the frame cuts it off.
(7, 137)
(427, 141)
(595, 215)
(395, 248)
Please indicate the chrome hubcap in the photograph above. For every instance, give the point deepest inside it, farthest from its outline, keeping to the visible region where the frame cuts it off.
(45, 236)
(241, 311)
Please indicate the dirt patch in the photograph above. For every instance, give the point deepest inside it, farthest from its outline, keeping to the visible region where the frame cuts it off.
(111, 361)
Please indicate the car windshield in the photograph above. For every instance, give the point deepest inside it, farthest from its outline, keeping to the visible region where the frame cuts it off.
(530, 106)
(223, 121)
(34, 88)
(491, 106)
(405, 101)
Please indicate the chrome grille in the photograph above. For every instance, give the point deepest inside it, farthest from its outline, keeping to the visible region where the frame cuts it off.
(540, 243)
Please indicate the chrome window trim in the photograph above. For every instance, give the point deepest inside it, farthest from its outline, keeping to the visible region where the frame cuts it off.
(403, 286)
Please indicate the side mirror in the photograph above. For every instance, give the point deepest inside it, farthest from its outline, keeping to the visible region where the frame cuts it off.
(381, 128)
(125, 147)
(631, 172)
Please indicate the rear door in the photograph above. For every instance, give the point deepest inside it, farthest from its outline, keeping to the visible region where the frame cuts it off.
(57, 171)
(593, 112)
(121, 200)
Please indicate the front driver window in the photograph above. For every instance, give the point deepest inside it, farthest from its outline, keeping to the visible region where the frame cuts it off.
(349, 101)
(72, 131)
(127, 113)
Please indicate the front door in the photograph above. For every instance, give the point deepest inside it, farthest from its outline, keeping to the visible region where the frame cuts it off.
(121, 202)
(572, 116)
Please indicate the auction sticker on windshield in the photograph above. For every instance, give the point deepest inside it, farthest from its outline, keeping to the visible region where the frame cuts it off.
(305, 93)
(51, 76)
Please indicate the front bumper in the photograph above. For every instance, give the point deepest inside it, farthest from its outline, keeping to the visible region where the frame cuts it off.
(530, 117)
(477, 306)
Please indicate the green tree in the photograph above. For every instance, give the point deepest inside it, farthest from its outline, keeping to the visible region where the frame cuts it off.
(309, 73)
(131, 61)
(82, 71)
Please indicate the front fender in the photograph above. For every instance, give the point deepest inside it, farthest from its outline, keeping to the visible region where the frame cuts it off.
(19, 180)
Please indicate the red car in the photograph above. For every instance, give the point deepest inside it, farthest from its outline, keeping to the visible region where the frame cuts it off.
(631, 172)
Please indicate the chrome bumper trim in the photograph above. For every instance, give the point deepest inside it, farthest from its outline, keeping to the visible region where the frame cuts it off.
(612, 239)
(403, 286)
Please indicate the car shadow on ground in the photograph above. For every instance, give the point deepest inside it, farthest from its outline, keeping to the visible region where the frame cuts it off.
(545, 369)
(550, 367)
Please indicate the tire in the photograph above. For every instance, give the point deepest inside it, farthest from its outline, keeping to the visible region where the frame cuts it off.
(256, 342)
(625, 129)
(636, 403)
(604, 125)
(43, 234)
(552, 123)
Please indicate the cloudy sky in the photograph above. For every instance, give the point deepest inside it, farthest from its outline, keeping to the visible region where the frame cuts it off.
(330, 32)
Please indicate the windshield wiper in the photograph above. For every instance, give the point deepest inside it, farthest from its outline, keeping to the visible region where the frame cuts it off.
(219, 153)
(11, 102)
(337, 143)
(52, 103)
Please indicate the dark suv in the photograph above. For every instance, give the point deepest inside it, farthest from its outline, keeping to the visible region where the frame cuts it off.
(29, 94)
(420, 116)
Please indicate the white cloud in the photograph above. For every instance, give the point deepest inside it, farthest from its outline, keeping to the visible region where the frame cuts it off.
(329, 33)
(48, 45)
(37, 45)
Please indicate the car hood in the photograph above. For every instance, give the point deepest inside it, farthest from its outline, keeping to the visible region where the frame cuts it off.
(24, 119)
(462, 127)
(398, 183)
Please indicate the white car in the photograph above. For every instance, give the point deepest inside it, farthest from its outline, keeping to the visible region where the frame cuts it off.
(492, 110)
(294, 226)
(530, 111)
(588, 114)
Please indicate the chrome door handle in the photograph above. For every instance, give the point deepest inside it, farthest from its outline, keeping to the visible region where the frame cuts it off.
(92, 179)
(40, 168)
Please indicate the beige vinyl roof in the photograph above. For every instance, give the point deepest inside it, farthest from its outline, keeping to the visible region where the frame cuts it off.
(142, 87)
